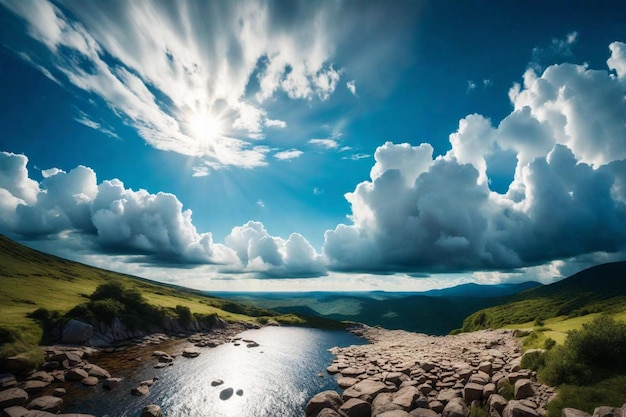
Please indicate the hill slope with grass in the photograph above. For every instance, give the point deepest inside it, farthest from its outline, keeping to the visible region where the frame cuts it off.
(31, 280)
(600, 289)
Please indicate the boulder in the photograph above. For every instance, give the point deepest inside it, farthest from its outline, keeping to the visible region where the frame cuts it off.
(356, 408)
(436, 406)
(47, 403)
(140, 390)
(406, 397)
(190, 353)
(386, 408)
(517, 409)
(606, 412)
(15, 411)
(17, 365)
(524, 389)
(90, 381)
(423, 412)
(328, 412)
(59, 392)
(346, 382)
(76, 374)
(497, 402)
(325, 399)
(226, 393)
(366, 387)
(394, 413)
(41, 376)
(7, 381)
(40, 413)
(76, 332)
(456, 407)
(35, 386)
(151, 410)
(111, 383)
(473, 392)
(13, 396)
(98, 372)
(573, 412)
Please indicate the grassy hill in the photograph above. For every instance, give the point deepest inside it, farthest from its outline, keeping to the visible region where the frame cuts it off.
(598, 289)
(30, 280)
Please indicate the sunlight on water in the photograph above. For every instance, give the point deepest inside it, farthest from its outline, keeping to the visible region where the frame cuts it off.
(276, 378)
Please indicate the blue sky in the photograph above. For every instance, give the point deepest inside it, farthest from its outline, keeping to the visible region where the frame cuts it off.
(295, 145)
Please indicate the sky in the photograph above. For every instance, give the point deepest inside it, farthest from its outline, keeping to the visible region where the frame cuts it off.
(316, 145)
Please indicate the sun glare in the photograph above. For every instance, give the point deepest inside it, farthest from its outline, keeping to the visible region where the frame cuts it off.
(204, 127)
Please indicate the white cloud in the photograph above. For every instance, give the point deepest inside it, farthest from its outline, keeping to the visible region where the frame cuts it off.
(260, 203)
(289, 154)
(471, 85)
(357, 156)
(84, 120)
(325, 143)
(351, 86)
(617, 61)
(567, 200)
(174, 63)
(200, 171)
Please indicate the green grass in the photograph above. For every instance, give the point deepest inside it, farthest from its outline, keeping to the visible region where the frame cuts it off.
(609, 392)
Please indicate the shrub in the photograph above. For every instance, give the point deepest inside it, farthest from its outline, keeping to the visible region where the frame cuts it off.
(605, 393)
(184, 314)
(549, 343)
(539, 322)
(507, 391)
(107, 310)
(477, 411)
(600, 343)
(533, 360)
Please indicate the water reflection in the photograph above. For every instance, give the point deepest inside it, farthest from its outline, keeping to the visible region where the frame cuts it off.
(276, 378)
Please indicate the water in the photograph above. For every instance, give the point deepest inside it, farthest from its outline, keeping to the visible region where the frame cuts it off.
(277, 378)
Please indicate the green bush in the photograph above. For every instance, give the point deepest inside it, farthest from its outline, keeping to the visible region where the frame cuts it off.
(609, 392)
(107, 310)
(184, 314)
(549, 343)
(533, 360)
(507, 390)
(476, 411)
(539, 322)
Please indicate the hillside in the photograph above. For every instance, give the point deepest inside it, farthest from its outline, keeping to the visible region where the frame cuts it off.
(30, 279)
(601, 288)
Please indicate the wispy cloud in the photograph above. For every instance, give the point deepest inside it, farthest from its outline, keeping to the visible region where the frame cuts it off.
(289, 154)
(351, 86)
(84, 120)
(161, 74)
(325, 143)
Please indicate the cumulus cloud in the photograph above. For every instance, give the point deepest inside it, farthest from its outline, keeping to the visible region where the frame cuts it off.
(112, 218)
(351, 86)
(565, 201)
(327, 143)
(160, 66)
(289, 154)
(272, 256)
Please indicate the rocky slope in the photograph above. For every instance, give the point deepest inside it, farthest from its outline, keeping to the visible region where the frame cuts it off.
(402, 374)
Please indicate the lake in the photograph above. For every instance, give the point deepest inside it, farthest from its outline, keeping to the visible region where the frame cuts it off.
(277, 378)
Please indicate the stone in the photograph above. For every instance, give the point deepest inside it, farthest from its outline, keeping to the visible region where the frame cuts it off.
(13, 396)
(367, 387)
(446, 396)
(524, 389)
(7, 381)
(151, 410)
(47, 403)
(346, 382)
(17, 365)
(436, 405)
(216, 383)
(140, 390)
(605, 412)
(485, 367)
(472, 392)
(489, 390)
(325, 399)
(76, 374)
(573, 412)
(98, 372)
(111, 383)
(226, 393)
(39, 413)
(394, 413)
(90, 381)
(356, 408)
(239, 392)
(385, 409)
(517, 409)
(423, 412)
(190, 353)
(76, 332)
(497, 402)
(15, 411)
(34, 385)
(406, 397)
(456, 407)
(328, 412)
(41, 376)
(59, 392)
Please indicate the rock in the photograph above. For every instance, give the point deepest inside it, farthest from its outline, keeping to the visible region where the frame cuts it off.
(189, 353)
(346, 382)
(406, 397)
(239, 392)
(148, 382)
(17, 365)
(13, 396)
(111, 383)
(325, 399)
(328, 412)
(489, 390)
(39, 413)
(436, 406)
(140, 390)
(7, 381)
(473, 392)
(572, 412)
(34, 386)
(41, 376)
(497, 402)
(77, 332)
(76, 374)
(95, 370)
(90, 381)
(394, 413)
(356, 408)
(59, 392)
(377, 411)
(524, 389)
(217, 382)
(367, 387)
(605, 412)
(226, 393)
(47, 403)
(485, 367)
(517, 409)
(15, 411)
(456, 407)
(151, 410)
(423, 412)
(77, 415)
(448, 395)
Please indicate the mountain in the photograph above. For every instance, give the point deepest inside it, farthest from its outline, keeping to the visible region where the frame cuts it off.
(600, 288)
(481, 291)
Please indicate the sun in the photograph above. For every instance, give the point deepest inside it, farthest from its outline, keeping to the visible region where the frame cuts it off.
(204, 127)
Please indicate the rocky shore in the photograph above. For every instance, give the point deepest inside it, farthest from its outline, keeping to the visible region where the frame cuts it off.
(402, 374)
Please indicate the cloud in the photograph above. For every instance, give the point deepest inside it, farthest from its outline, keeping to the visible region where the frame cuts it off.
(357, 156)
(566, 200)
(351, 86)
(161, 66)
(325, 143)
(84, 120)
(289, 154)
(201, 171)
(471, 85)
(271, 256)
(558, 48)
(155, 228)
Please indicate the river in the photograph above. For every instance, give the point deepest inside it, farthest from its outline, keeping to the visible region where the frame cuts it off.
(277, 378)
